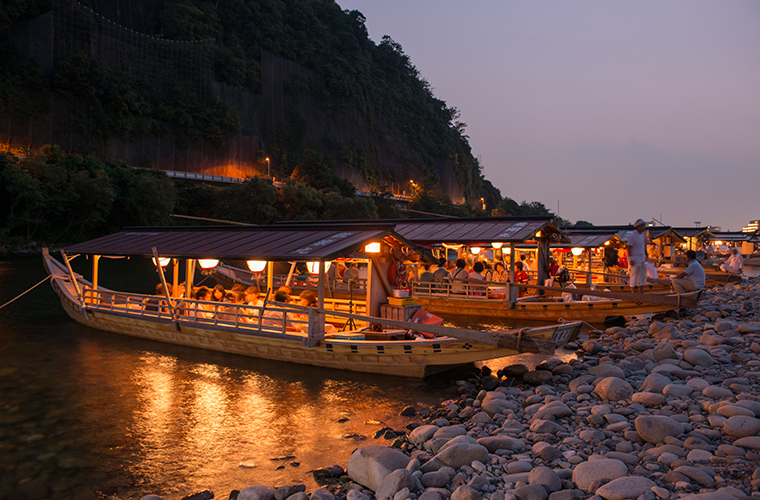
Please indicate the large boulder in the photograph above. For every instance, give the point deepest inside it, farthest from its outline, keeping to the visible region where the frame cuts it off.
(369, 465)
(613, 389)
(586, 474)
(655, 428)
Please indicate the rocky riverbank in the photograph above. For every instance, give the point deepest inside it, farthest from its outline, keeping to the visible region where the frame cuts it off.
(663, 408)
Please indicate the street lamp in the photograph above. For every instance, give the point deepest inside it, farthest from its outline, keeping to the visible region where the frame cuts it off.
(267, 159)
(483, 201)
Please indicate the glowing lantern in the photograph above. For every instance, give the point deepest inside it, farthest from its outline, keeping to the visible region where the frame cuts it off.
(256, 266)
(475, 250)
(508, 250)
(497, 244)
(313, 267)
(164, 261)
(208, 263)
(372, 248)
(577, 251)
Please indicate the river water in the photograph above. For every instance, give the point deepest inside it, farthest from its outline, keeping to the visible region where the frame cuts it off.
(88, 414)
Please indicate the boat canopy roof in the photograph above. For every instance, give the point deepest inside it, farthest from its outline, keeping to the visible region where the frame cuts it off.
(584, 238)
(468, 230)
(271, 243)
(658, 232)
(589, 238)
(694, 232)
(731, 236)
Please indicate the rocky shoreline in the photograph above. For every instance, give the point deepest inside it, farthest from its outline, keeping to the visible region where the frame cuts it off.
(662, 408)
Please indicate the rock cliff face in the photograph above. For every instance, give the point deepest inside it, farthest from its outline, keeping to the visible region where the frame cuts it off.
(292, 112)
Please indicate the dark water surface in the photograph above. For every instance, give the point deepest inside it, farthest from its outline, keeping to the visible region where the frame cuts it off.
(89, 414)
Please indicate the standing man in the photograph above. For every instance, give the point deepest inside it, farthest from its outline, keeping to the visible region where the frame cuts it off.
(637, 256)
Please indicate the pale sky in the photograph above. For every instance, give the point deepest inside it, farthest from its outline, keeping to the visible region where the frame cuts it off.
(618, 110)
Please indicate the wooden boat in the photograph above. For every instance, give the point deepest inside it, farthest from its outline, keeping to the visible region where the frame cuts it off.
(478, 300)
(242, 329)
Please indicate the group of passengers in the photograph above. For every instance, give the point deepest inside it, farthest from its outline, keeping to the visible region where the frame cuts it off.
(237, 298)
(463, 277)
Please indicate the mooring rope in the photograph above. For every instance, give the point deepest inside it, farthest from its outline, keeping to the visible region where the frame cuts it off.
(24, 293)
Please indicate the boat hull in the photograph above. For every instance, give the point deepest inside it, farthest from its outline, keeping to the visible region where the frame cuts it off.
(413, 358)
(591, 312)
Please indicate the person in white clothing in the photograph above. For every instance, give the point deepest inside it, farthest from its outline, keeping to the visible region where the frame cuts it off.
(693, 278)
(637, 256)
(734, 263)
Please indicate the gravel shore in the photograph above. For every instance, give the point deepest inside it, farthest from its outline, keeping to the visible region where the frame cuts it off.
(662, 408)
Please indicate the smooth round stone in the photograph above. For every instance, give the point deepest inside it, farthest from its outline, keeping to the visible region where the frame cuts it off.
(664, 350)
(655, 428)
(667, 458)
(748, 328)
(698, 357)
(733, 411)
(716, 420)
(529, 492)
(625, 487)
(519, 466)
(699, 456)
(741, 426)
(698, 383)
(546, 478)
(753, 406)
(605, 370)
(677, 390)
(715, 392)
(654, 382)
(650, 399)
(586, 474)
(715, 495)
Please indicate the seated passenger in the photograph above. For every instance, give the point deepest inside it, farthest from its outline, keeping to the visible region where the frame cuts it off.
(459, 274)
(476, 274)
(274, 317)
(734, 263)
(441, 274)
(153, 303)
(203, 311)
(218, 294)
(693, 278)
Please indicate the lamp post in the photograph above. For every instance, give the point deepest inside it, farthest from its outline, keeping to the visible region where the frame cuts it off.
(267, 159)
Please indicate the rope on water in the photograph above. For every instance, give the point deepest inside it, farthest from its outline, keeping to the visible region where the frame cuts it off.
(24, 293)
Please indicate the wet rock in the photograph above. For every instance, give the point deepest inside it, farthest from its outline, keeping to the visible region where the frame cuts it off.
(537, 377)
(409, 411)
(321, 494)
(422, 433)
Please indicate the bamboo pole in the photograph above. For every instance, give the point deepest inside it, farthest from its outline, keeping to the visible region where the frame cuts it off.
(516, 339)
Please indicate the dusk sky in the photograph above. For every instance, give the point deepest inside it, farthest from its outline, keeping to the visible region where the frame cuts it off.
(615, 109)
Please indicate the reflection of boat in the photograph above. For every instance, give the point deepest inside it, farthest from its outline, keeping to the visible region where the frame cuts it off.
(277, 331)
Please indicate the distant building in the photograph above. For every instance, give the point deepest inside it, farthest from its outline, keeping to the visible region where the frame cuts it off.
(753, 226)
